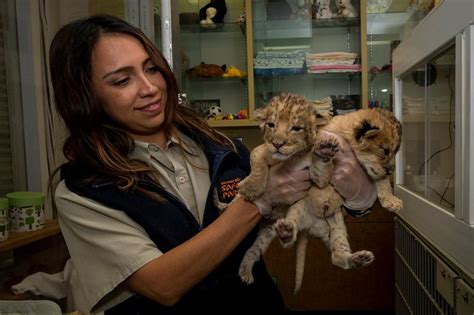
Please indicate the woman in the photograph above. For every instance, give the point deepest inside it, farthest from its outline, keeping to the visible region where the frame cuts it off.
(135, 201)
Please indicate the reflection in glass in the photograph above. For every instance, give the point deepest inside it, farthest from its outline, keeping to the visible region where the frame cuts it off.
(213, 58)
(298, 49)
(428, 134)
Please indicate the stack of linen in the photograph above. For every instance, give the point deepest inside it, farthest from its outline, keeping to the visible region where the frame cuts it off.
(332, 62)
(270, 63)
(323, 106)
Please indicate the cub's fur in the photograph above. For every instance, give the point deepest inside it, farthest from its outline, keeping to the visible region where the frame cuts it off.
(375, 137)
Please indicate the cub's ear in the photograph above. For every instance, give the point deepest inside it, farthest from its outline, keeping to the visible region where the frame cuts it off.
(260, 113)
(318, 119)
(366, 130)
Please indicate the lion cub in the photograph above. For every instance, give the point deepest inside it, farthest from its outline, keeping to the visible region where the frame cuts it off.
(375, 137)
(289, 125)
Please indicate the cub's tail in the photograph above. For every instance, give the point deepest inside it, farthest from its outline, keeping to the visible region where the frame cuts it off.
(301, 244)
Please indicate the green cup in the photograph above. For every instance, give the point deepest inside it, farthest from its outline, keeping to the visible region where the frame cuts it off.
(26, 211)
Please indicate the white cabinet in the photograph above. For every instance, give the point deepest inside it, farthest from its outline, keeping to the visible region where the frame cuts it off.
(434, 97)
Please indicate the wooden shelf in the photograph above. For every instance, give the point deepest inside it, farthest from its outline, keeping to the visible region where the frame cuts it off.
(233, 123)
(18, 239)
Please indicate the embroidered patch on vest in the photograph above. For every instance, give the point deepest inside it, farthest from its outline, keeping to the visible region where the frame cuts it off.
(227, 186)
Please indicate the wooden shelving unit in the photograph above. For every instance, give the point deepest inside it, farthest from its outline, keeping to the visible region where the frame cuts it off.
(18, 239)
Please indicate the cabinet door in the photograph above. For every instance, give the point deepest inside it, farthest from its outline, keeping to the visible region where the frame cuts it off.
(388, 22)
(428, 113)
(308, 48)
(212, 59)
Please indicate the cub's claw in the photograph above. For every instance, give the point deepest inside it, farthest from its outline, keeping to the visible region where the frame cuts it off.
(286, 231)
(326, 148)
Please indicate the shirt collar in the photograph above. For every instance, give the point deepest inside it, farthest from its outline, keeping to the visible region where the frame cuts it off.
(189, 147)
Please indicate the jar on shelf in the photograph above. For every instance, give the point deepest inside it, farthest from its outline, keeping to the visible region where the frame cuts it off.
(26, 211)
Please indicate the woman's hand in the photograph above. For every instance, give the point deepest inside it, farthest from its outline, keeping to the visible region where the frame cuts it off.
(351, 180)
(286, 184)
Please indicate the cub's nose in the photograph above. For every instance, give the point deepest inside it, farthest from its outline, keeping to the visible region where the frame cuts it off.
(278, 144)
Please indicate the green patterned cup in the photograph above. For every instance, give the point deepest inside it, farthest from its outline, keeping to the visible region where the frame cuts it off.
(4, 208)
(26, 211)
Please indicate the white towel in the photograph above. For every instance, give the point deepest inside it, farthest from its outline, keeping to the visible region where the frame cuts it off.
(53, 286)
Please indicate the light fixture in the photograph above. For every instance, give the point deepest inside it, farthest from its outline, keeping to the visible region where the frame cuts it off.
(384, 90)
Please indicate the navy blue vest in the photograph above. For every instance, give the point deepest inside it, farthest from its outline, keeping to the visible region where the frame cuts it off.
(169, 223)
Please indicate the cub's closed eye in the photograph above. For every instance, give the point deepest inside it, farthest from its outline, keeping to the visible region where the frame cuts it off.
(270, 125)
(297, 128)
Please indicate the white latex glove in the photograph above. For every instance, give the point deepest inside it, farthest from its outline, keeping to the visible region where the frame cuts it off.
(351, 180)
(286, 184)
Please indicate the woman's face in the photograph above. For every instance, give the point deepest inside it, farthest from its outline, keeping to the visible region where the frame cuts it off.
(130, 87)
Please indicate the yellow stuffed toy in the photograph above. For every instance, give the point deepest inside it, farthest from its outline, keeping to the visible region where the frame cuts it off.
(233, 72)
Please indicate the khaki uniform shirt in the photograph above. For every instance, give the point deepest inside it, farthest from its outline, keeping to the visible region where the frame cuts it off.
(106, 246)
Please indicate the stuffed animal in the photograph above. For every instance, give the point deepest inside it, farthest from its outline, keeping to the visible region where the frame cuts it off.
(210, 14)
(219, 6)
(214, 112)
(323, 11)
(345, 9)
(205, 70)
(232, 71)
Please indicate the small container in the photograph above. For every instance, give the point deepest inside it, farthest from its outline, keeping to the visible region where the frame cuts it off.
(26, 211)
(4, 208)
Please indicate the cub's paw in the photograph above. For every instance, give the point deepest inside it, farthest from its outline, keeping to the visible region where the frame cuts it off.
(245, 273)
(391, 203)
(361, 259)
(286, 231)
(250, 189)
(326, 148)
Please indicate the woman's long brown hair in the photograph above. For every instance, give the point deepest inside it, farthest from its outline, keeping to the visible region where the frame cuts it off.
(94, 140)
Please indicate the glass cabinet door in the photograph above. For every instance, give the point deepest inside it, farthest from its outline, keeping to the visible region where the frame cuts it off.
(428, 96)
(388, 22)
(213, 59)
(305, 48)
